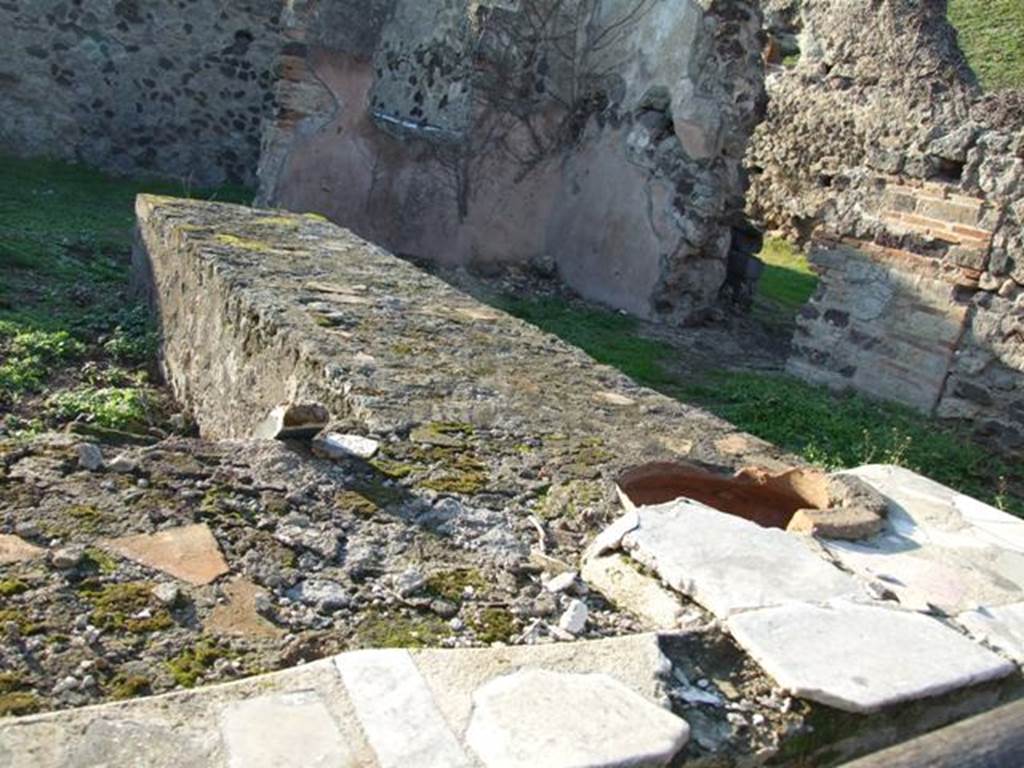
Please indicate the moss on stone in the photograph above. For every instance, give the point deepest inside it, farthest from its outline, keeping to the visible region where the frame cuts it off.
(396, 470)
(118, 607)
(87, 518)
(98, 560)
(11, 587)
(19, 703)
(380, 629)
(464, 483)
(26, 625)
(570, 499)
(243, 243)
(190, 665)
(124, 686)
(451, 585)
(493, 625)
(442, 433)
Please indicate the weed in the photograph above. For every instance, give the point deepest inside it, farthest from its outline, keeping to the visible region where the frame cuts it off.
(126, 408)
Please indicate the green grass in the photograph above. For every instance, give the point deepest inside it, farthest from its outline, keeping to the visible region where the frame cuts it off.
(992, 37)
(830, 430)
(73, 343)
(787, 280)
(608, 337)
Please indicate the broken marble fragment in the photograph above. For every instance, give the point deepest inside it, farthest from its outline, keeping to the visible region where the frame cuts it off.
(338, 446)
(574, 619)
(292, 421)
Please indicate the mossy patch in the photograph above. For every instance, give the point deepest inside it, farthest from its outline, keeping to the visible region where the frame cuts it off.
(493, 625)
(449, 434)
(570, 499)
(11, 587)
(128, 607)
(26, 624)
(123, 686)
(243, 243)
(396, 470)
(19, 703)
(451, 585)
(85, 517)
(192, 664)
(380, 629)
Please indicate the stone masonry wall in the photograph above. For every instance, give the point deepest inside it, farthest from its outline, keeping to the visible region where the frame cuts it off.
(601, 140)
(881, 154)
(176, 88)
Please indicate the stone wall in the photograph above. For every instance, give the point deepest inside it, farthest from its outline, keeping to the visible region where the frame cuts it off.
(880, 153)
(603, 140)
(176, 88)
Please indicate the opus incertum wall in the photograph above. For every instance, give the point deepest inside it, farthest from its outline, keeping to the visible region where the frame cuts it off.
(174, 88)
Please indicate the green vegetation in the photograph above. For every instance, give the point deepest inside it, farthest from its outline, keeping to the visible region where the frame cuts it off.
(828, 429)
(188, 668)
(18, 702)
(124, 686)
(380, 629)
(73, 344)
(608, 337)
(493, 625)
(11, 587)
(451, 585)
(126, 408)
(128, 607)
(787, 281)
(992, 37)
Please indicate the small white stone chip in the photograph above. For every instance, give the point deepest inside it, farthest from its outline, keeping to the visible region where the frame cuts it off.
(574, 620)
(536, 717)
(338, 446)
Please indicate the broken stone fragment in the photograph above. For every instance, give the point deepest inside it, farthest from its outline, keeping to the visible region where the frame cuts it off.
(189, 553)
(68, 558)
(166, 593)
(574, 619)
(839, 523)
(338, 446)
(620, 582)
(240, 615)
(326, 596)
(561, 583)
(850, 509)
(293, 421)
(14, 549)
(90, 457)
(122, 464)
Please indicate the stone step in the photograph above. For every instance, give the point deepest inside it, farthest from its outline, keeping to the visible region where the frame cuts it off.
(582, 705)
